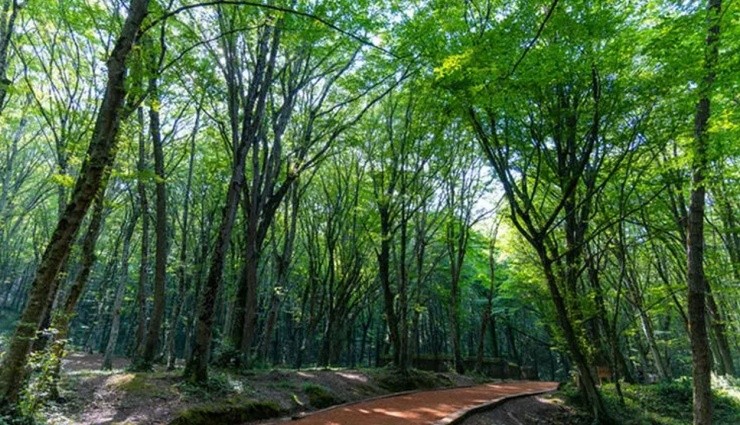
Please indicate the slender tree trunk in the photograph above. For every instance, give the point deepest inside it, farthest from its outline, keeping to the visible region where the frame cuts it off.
(719, 330)
(141, 291)
(99, 158)
(403, 279)
(182, 268)
(149, 350)
(697, 284)
(110, 347)
(197, 367)
(251, 266)
(282, 264)
(384, 270)
(488, 311)
(647, 330)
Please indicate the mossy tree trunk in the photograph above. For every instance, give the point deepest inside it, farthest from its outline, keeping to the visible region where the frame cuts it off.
(99, 158)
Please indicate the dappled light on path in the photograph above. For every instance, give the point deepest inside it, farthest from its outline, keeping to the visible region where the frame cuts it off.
(425, 407)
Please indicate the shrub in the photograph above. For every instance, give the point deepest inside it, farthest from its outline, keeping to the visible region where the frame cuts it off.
(230, 412)
(320, 397)
(392, 380)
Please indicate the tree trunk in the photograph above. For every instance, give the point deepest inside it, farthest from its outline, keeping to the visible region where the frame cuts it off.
(62, 319)
(584, 370)
(110, 347)
(7, 26)
(719, 330)
(488, 311)
(146, 357)
(182, 268)
(697, 287)
(384, 270)
(99, 158)
(197, 367)
(144, 259)
(647, 330)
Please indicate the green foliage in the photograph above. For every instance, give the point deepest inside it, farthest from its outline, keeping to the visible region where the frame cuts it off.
(666, 403)
(15, 417)
(218, 386)
(41, 383)
(226, 355)
(320, 397)
(141, 384)
(232, 411)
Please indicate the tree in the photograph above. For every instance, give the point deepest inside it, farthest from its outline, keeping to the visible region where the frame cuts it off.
(10, 9)
(100, 156)
(697, 284)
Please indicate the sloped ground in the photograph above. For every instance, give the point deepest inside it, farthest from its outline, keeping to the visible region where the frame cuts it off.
(545, 409)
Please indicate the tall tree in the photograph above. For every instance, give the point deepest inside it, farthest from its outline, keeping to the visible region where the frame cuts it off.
(697, 283)
(100, 156)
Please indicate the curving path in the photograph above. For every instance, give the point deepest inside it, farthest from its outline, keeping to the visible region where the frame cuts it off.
(426, 407)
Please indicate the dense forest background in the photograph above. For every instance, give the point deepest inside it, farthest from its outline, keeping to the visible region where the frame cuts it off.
(362, 183)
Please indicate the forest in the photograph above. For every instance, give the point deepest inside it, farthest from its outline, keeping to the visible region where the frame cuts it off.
(209, 189)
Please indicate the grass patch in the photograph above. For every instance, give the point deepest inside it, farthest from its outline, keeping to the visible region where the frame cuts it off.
(667, 403)
(140, 384)
(220, 385)
(320, 397)
(230, 412)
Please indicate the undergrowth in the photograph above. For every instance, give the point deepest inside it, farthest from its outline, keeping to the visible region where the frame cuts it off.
(666, 403)
(232, 411)
(392, 380)
(320, 397)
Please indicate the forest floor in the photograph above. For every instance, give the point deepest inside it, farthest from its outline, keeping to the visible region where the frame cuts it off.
(94, 397)
(91, 396)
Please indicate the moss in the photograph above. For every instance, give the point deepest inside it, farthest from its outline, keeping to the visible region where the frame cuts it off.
(320, 397)
(232, 411)
(392, 380)
(141, 384)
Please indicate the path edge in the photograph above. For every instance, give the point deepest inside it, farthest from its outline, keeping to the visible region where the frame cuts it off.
(461, 415)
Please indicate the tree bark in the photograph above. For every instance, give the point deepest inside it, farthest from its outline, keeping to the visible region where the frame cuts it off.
(182, 269)
(10, 9)
(384, 274)
(61, 320)
(149, 350)
(697, 284)
(141, 291)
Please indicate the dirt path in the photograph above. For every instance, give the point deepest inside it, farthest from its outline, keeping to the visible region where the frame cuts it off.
(426, 407)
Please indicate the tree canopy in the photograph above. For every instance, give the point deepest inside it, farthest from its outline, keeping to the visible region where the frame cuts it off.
(550, 185)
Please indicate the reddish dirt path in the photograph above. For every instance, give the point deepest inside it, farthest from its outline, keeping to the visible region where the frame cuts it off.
(426, 407)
